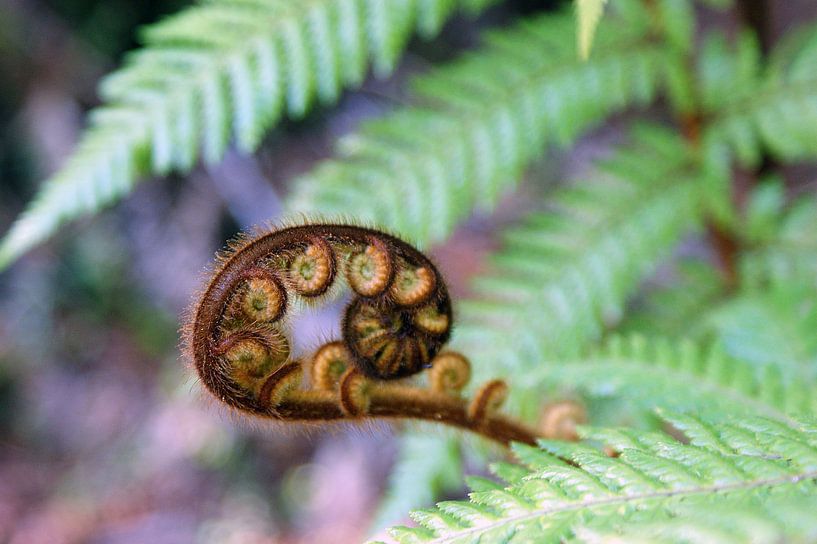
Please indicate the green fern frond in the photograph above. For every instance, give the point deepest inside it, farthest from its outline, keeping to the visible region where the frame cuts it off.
(576, 491)
(641, 374)
(786, 251)
(674, 306)
(597, 244)
(773, 326)
(773, 520)
(219, 70)
(495, 111)
(758, 107)
(566, 274)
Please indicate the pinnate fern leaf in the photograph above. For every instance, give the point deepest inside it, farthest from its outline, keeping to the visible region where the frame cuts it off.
(759, 106)
(495, 110)
(600, 240)
(221, 70)
(773, 520)
(566, 274)
(575, 491)
(774, 326)
(641, 374)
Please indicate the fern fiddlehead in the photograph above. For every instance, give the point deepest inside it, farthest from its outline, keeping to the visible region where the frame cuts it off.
(395, 326)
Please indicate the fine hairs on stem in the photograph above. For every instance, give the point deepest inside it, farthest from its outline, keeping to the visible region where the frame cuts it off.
(394, 327)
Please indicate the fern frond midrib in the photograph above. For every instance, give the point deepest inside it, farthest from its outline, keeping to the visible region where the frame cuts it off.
(212, 61)
(790, 479)
(722, 391)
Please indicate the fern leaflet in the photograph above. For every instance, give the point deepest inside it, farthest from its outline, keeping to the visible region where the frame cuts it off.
(673, 307)
(565, 274)
(756, 107)
(495, 110)
(771, 327)
(573, 490)
(220, 69)
(642, 374)
(788, 251)
(600, 240)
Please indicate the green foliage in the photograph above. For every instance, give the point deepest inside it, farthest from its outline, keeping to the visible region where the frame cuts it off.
(219, 70)
(496, 110)
(564, 275)
(784, 242)
(775, 519)
(675, 305)
(771, 319)
(555, 287)
(771, 327)
(651, 487)
(640, 375)
(600, 238)
(759, 105)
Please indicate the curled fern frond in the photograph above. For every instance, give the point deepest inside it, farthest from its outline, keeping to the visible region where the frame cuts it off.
(495, 110)
(577, 491)
(395, 326)
(674, 307)
(220, 70)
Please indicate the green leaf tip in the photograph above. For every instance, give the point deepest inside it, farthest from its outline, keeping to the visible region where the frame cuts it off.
(588, 14)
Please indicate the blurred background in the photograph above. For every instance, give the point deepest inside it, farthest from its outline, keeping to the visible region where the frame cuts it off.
(105, 436)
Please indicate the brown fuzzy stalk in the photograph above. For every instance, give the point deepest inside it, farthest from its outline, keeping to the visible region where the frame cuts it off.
(395, 326)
